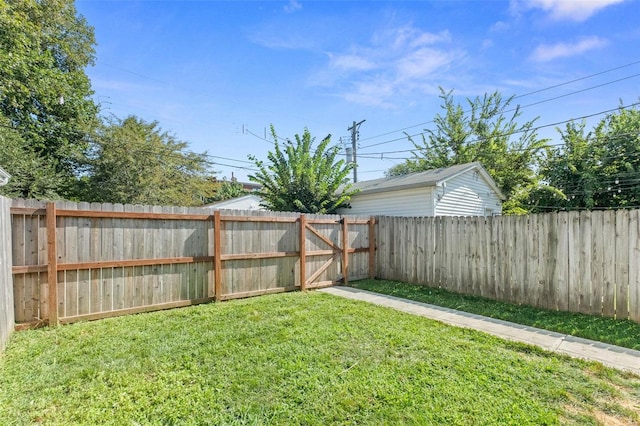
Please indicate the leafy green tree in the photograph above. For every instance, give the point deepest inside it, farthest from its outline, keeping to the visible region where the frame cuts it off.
(226, 190)
(297, 179)
(135, 162)
(31, 175)
(490, 133)
(595, 169)
(44, 92)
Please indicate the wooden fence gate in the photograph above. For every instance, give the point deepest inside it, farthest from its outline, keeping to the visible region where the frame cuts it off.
(337, 252)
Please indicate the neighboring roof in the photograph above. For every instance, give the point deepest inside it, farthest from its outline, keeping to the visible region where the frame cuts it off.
(250, 186)
(232, 202)
(4, 177)
(433, 177)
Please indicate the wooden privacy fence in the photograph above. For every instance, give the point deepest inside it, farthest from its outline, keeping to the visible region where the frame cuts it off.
(6, 288)
(586, 262)
(80, 261)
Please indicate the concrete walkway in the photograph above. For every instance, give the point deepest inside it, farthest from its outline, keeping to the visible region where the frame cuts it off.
(609, 355)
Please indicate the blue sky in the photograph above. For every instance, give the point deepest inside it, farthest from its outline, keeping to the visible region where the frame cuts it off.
(217, 73)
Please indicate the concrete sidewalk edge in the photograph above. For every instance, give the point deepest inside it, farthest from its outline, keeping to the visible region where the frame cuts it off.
(609, 355)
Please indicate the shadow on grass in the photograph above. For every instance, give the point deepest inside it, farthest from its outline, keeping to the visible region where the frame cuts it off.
(623, 333)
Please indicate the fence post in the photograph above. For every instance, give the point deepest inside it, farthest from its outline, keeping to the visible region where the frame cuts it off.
(217, 256)
(303, 252)
(52, 264)
(345, 251)
(372, 248)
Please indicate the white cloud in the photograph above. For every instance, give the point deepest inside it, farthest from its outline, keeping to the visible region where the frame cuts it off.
(487, 43)
(573, 10)
(412, 37)
(397, 61)
(276, 40)
(422, 63)
(292, 6)
(546, 52)
(500, 26)
(350, 62)
(376, 92)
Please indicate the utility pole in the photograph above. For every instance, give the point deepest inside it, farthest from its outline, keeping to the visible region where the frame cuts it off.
(354, 143)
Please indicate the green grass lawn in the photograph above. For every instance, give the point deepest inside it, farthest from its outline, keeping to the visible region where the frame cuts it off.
(616, 332)
(297, 358)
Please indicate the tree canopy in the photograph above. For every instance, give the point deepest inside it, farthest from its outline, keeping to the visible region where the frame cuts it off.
(488, 132)
(31, 175)
(226, 190)
(132, 161)
(300, 179)
(52, 140)
(599, 168)
(45, 94)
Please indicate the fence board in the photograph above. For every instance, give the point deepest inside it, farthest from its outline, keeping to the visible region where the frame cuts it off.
(634, 265)
(474, 254)
(519, 256)
(533, 286)
(484, 233)
(584, 266)
(7, 303)
(431, 238)
(562, 263)
(573, 252)
(459, 252)
(531, 261)
(117, 278)
(510, 258)
(609, 263)
(139, 285)
(18, 225)
(622, 265)
(496, 258)
(439, 250)
(106, 252)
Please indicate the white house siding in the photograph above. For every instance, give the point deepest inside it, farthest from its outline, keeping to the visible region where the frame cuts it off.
(405, 202)
(466, 195)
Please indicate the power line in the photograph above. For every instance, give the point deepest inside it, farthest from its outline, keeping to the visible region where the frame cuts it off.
(532, 129)
(383, 156)
(577, 91)
(528, 94)
(577, 79)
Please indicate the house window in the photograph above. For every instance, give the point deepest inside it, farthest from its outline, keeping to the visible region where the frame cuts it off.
(488, 212)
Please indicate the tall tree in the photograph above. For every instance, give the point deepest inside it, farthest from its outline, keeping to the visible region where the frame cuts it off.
(297, 179)
(599, 168)
(132, 161)
(488, 132)
(31, 175)
(45, 47)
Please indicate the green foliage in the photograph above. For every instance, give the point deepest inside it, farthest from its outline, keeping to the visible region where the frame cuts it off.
(595, 169)
(301, 181)
(295, 358)
(488, 133)
(227, 190)
(135, 162)
(31, 175)
(44, 91)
